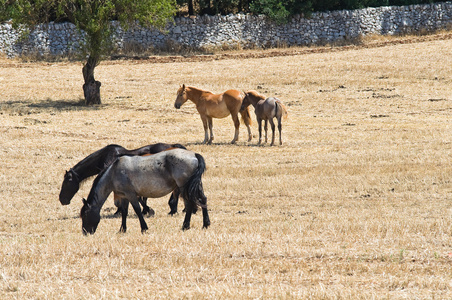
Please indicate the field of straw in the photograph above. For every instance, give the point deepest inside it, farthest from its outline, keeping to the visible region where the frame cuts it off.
(356, 204)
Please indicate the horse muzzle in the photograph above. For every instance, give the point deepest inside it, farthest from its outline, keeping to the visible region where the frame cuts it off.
(88, 231)
(65, 201)
(177, 105)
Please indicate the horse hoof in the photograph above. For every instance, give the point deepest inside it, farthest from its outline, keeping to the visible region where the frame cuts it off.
(151, 212)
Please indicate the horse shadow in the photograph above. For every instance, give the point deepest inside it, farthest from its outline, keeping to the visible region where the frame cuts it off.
(107, 213)
(238, 144)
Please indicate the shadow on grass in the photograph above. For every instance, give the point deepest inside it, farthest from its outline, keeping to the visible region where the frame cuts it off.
(238, 144)
(48, 105)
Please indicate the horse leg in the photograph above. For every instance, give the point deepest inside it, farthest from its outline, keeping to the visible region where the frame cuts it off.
(174, 199)
(272, 125)
(236, 120)
(210, 123)
(206, 126)
(118, 204)
(205, 218)
(124, 212)
(250, 137)
(137, 209)
(265, 128)
(259, 121)
(280, 129)
(188, 211)
(146, 209)
(247, 120)
(205, 213)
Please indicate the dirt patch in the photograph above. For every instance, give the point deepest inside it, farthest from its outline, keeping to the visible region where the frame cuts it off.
(374, 43)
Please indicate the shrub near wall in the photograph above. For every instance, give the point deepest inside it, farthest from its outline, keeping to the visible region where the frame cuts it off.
(245, 30)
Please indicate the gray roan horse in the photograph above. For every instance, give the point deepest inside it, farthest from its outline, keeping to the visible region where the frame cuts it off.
(94, 163)
(154, 176)
(266, 109)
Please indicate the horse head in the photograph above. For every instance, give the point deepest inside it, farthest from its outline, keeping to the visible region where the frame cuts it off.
(246, 101)
(90, 218)
(181, 97)
(70, 186)
(252, 97)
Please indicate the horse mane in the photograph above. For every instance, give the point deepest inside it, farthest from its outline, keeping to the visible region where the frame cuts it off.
(197, 89)
(92, 198)
(86, 167)
(255, 94)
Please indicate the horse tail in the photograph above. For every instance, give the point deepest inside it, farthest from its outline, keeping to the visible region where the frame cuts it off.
(192, 189)
(246, 117)
(282, 107)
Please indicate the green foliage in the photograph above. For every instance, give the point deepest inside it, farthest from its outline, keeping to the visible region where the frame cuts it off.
(91, 16)
(280, 11)
(274, 9)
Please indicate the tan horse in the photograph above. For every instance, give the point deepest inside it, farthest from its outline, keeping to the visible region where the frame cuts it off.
(211, 105)
(266, 109)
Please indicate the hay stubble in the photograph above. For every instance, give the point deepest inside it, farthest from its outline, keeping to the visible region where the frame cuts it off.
(355, 204)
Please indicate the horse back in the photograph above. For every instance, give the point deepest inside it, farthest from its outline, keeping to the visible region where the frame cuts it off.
(106, 156)
(233, 100)
(155, 175)
(234, 94)
(154, 148)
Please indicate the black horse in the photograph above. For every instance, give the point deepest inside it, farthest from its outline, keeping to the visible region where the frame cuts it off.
(94, 163)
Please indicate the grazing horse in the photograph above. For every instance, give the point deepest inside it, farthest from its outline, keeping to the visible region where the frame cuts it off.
(152, 176)
(266, 109)
(211, 105)
(99, 160)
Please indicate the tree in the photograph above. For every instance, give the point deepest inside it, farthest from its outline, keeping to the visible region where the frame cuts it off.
(189, 3)
(281, 11)
(93, 17)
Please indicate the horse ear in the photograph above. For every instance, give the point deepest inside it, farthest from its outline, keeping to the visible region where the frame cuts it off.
(183, 86)
(84, 201)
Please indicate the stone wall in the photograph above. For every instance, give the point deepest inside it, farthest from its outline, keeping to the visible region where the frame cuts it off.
(245, 31)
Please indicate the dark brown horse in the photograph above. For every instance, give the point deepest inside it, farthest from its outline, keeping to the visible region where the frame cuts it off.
(266, 109)
(94, 163)
(211, 105)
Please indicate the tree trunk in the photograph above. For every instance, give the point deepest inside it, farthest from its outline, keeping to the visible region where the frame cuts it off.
(91, 88)
(190, 8)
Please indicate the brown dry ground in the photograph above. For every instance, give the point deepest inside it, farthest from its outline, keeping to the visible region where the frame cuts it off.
(355, 204)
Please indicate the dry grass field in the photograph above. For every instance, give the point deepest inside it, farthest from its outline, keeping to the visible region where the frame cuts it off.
(356, 204)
